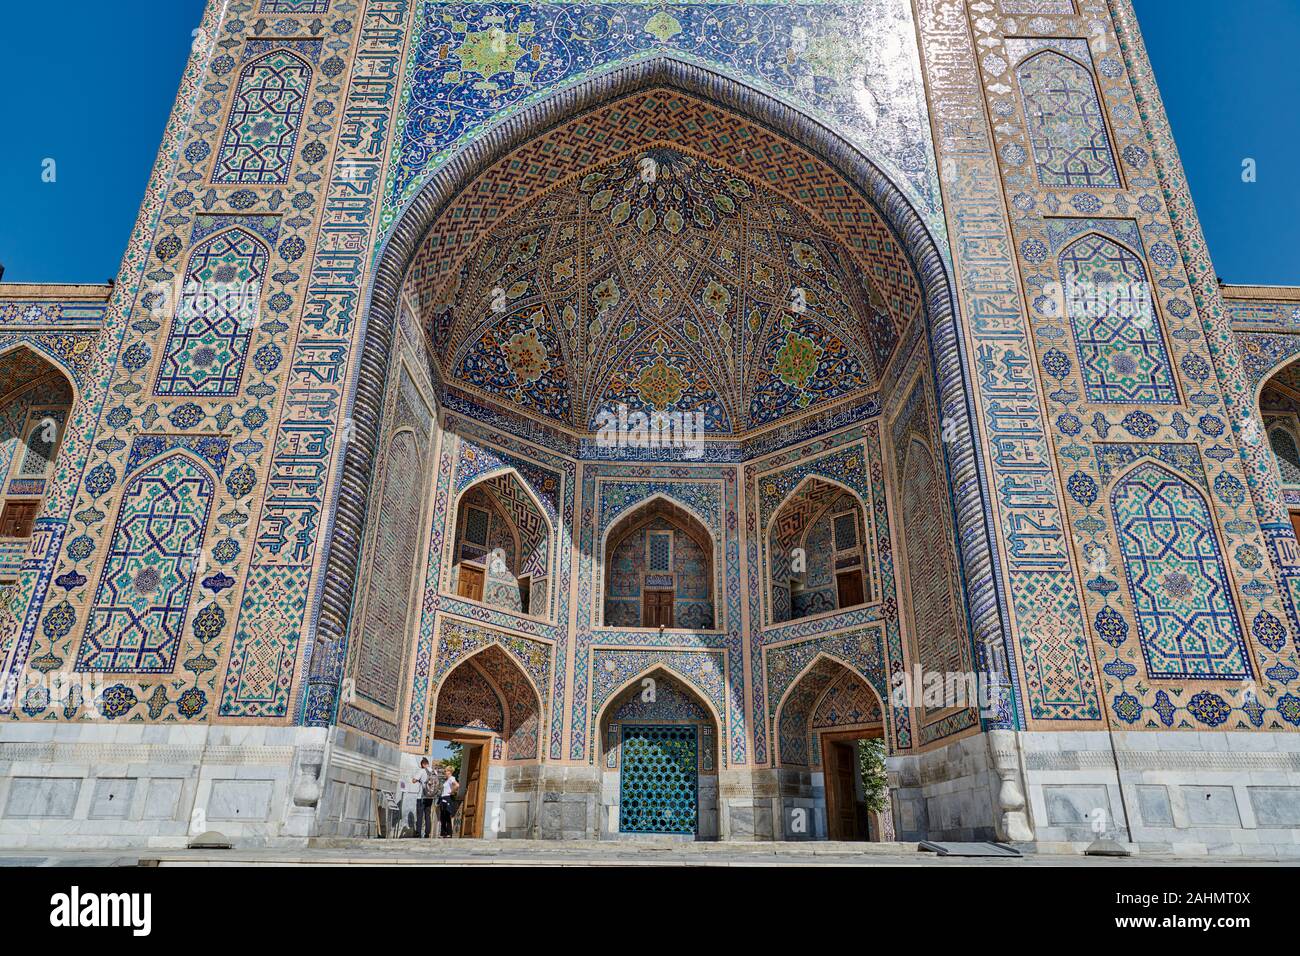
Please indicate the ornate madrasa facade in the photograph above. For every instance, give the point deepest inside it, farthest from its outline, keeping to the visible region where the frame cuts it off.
(659, 400)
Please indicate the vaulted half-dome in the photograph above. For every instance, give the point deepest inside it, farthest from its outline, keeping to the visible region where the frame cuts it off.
(660, 281)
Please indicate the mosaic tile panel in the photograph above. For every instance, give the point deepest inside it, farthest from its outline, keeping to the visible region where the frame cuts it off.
(1117, 337)
(220, 302)
(262, 129)
(144, 591)
(1067, 126)
(1177, 577)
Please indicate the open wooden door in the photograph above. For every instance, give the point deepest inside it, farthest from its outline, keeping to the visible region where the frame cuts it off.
(839, 760)
(473, 786)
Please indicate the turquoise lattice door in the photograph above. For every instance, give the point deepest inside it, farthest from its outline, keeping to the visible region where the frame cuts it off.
(659, 783)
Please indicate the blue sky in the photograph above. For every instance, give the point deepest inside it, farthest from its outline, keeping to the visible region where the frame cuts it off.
(89, 84)
(1231, 91)
(94, 97)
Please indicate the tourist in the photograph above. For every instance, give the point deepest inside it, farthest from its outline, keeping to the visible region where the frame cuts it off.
(447, 802)
(427, 781)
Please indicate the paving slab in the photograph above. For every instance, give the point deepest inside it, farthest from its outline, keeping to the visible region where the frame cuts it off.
(372, 853)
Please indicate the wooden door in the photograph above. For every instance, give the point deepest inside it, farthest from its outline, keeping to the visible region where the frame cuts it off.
(840, 763)
(849, 585)
(474, 772)
(470, 583)
(1295, 524)
(658, 608)
(17, 519)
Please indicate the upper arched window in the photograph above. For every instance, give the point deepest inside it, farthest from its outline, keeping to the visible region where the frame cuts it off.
(659, 570)
(1067, 129)
(35, 402)
(817, 553)
(501, 547)
(263, 127)
(1282, 440)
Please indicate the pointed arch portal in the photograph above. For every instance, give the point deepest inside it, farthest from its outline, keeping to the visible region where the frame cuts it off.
(433, 235)
(672, 316)
(659, 759)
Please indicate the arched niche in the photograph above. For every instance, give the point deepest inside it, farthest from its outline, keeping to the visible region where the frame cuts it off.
(658, 570)
(825, 718)
(425, 252)
(817, 552)
(659, 760)
(501, 546)
(488, 706)
(937, 642)
(36, 400)
(1279, 409)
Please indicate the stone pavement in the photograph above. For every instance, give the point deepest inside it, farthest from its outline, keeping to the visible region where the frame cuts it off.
(580, 853)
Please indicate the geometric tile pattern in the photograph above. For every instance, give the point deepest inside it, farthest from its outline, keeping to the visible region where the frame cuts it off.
(659, 780)
(1067, 128)
(1121, 351)
(939, 639)
(144, 591)
(384, 637)
(219, 306)
(1185, 610)
(1026, 519)
(672, 701)
(459, 640)
(683, 681)
(263, 126)
(388, 600)
(848, 702)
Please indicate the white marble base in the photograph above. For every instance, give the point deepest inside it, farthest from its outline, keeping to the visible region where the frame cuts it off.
(99, 785)
(1189, 793)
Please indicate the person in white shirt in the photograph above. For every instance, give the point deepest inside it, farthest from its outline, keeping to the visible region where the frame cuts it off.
(449, 787)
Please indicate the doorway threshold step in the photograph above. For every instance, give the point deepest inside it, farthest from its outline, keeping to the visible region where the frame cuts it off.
(969, 849)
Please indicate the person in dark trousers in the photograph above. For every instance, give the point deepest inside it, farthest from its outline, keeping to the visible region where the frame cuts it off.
(447, 802)
(427, 781)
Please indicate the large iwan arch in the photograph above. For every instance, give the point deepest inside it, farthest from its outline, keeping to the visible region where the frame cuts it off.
(403, 245)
